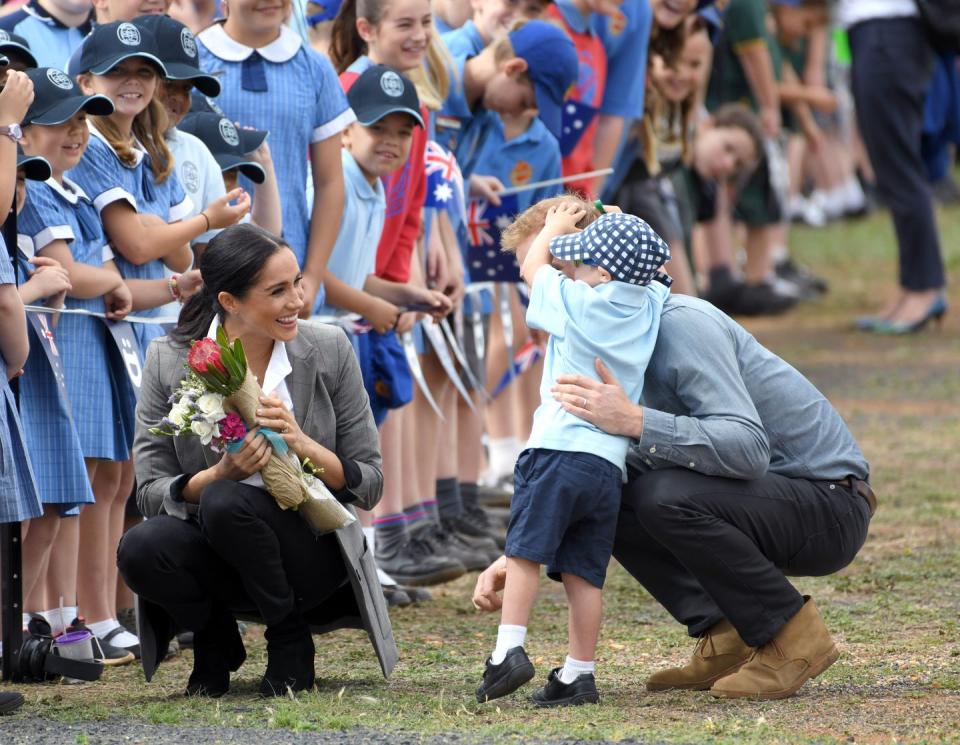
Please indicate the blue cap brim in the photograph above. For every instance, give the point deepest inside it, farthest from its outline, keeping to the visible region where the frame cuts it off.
(34, 167)
(208, 85)
(376, 114)
(64, 110)
(22, 50)
(550, 110)
(109, 64)
(253, 171)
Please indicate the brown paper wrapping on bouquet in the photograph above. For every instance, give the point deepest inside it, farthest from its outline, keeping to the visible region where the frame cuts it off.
(284, 479)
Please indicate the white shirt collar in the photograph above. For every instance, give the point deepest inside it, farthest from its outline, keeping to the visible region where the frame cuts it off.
(138, 151)
(278, 368)
(69, 190)
(281, 49)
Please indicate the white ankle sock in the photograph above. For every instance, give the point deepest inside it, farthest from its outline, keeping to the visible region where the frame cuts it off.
(502, 456)
(573, 668)
(370, 533)
(60, 618)
(508, 637)
(123, 639)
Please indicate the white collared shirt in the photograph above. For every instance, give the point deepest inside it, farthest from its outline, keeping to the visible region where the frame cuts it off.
(281, 49)
(274, 381)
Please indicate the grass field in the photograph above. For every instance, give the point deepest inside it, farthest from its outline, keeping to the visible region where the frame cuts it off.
(895, 611)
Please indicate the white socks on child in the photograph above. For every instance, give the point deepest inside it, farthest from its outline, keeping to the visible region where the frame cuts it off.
(123, 639)
(501, 457)
(573, 668)
(508, 637)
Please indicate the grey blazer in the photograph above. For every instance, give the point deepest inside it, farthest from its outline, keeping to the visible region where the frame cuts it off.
(331, 406)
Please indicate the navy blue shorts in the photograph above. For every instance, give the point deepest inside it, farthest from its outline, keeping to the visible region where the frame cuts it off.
(564, 512)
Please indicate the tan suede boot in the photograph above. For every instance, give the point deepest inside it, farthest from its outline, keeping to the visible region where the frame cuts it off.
(801, 650)
(719, 652)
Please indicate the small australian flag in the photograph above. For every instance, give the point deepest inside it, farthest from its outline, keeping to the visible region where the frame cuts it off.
(577, 116)
(485, 261)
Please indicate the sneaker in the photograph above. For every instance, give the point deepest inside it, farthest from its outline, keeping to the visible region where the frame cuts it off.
(503, 679)
(395, 596)
(475, 521)
(103, 650)
(446, 543)
(557, 693)
(415, 563)
(469, 528)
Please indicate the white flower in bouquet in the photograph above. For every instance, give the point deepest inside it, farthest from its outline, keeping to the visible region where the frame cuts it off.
(205, 430)
(180, 414)
(211, 406)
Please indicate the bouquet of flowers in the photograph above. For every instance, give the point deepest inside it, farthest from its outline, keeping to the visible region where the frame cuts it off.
(214, 402)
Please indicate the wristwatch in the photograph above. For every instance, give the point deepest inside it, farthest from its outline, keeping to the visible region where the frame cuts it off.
(12, 131)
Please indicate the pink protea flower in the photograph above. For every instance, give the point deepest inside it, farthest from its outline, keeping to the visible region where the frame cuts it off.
(205, 354)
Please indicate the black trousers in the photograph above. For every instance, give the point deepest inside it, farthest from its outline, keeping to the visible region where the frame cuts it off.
(245, 556)
(709, 548)
(890, 76)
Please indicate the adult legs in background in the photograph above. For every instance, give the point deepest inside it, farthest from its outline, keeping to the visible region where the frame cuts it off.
(892, 66)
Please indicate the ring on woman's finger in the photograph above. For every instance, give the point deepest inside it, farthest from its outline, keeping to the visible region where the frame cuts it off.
(286, 429)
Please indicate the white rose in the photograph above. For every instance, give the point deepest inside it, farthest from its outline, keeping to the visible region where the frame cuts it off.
(180, 415)
(205, 431)
(211, 406)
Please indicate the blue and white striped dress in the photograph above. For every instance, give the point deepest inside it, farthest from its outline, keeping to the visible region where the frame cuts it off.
(19, 499)
(289, 90)
(101, 395)
(107, 179)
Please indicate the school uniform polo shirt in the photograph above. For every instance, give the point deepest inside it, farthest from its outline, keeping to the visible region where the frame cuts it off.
(590, 87)
(199, 174)
(454, 123)
(465, 40)
(354, 255)
(617, 322)
(625, 38)
(51, 42)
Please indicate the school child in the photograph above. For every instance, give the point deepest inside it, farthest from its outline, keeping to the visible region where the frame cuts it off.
(450, 14)
(127, 169)
(52, 29)
(195, 167)
(19, 499)
(490, 20)
(607, 303)
(49, 541)
(272, 81)
(17, 51)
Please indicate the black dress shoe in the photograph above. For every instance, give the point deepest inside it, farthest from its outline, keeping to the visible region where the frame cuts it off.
(557, 693)
(503, 679)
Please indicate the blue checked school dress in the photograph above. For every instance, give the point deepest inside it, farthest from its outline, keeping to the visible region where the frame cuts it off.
(293, 93)
(52, 440)
(18, 489)
(107, 179)
(101, 395)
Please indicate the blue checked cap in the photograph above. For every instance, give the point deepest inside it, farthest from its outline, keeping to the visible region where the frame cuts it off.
(622, 244)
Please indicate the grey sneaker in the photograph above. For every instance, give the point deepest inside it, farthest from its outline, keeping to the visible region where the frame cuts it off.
(416, 563)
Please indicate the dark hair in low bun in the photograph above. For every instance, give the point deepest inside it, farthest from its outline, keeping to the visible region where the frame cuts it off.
(231, 263)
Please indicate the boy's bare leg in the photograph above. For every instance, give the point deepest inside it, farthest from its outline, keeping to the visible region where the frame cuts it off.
(520, 593)
(586, 611)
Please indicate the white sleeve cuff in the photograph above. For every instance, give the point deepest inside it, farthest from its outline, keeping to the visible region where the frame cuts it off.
(179, 211)
(116, 194)
(54, 233)
(334, 126)
(106, 253)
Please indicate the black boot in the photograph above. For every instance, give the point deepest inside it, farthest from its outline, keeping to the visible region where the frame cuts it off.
(289, 657)
(217, 651)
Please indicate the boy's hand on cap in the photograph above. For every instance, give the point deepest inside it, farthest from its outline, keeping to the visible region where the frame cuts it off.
(562, 219)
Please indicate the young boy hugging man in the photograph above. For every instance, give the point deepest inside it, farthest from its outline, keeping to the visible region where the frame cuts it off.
(605, 303)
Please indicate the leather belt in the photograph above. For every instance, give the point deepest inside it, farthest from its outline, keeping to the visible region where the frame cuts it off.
(863, 489)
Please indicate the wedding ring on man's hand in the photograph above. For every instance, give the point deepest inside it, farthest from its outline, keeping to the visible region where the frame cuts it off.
(584, 404)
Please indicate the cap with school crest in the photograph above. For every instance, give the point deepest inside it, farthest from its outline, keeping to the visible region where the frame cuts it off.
(17, 45)
(111, 43)
(622, 244)
(380, 91)
(56, 98)
(34, 167)
(222, 139)
(552, 66)
(250, 139)
(178, 51)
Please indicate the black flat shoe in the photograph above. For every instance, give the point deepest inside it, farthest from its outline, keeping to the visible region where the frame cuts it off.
(503, 679)
(556, 693)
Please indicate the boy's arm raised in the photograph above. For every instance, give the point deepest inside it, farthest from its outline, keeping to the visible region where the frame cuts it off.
(561, 219)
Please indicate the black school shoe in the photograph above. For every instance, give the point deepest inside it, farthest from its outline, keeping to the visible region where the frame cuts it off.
(557, 693)
(503, 679)
(10, 701)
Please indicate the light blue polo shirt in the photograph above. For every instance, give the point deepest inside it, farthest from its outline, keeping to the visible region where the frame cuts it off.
(50, 41)
(354, 255)
(617, 322)
(464, 41)
(625, 37)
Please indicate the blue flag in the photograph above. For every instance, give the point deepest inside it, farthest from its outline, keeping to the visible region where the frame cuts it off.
(485, 261)
(577, 116)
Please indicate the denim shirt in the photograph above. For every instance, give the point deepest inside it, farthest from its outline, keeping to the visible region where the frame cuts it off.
(719, 403)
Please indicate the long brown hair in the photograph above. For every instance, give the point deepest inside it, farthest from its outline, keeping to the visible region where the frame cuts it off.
(148, 128)
(346, 44)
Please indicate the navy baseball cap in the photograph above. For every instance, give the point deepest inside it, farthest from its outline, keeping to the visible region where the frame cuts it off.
(16, 44)
(223, 140)
(34, 167)
(622, 244)
(4, 61)
(250, 139)
(111, 43)
(380, 91)
(552, 65)
(178, 50)
(56, 98)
